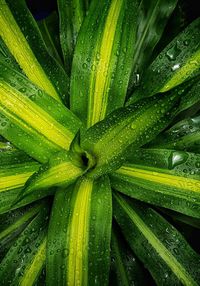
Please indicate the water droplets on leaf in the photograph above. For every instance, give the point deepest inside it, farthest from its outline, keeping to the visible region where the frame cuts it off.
(173, 53)
(175, 67)
(84, 66)
(176, 158)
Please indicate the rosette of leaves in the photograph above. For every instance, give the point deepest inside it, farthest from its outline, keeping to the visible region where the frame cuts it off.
(100, 144)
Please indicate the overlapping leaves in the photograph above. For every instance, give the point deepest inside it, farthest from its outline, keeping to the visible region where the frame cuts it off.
(68, 156)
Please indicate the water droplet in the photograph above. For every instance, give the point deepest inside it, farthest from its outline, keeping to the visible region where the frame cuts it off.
(93, 67)
(23, 89)
(137, 79)
(197, 164)
(133, 126)
(175, 67)
(186, 42)
(40, 92)
(173, 53)
(176, 158)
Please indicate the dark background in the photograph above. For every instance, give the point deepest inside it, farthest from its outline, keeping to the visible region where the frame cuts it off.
(41, 8)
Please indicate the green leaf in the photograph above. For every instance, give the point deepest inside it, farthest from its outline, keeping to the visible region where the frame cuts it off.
(79, 234)
(24, 261)
(28, 114)
(49, 28)
(14, 222)
(6, 57)
(103, 59)
(71, 15)
(133, 125)
(179, 61)
(162, 249)
(166, 178)
(152, 19)
(184, 135)
(61, 170)
(125, 267)
(21, 35)
(15, 169)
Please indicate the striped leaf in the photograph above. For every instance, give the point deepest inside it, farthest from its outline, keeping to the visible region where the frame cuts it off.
(71, 16)
(15, 169)
(13, 223)
(6, 57)
(152, 18)
(21, 34)
(25, 259)
(166, 178)
(136, 124)
(162, 249)
(103, 59)
(79, 234)
(49, 28)
(28, 114)
(125, 268)
(61, 170)
(11, 156)
(184, 135)
(179, 61)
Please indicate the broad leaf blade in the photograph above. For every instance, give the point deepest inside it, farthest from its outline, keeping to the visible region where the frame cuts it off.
(161, 248)
(15, 169)
(136, 124)
(20, 33)
(152, 18)
(166, 178)
(60, 171)
(103, 59)
(28, 114)
(79, 234)
(25, 260)
(178, 62)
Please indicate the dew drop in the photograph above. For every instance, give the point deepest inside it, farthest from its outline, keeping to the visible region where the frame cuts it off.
(173, 53)
(176, 158)
(175, 67)
(84, 65)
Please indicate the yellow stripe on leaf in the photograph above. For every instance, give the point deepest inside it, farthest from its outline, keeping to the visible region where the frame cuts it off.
(79, 232)
(182, 73)
(14, 181)
(19, 47)
(161, 178)
(100, 79)
(62, 173)
(33, 270)
(31, 117)
(28, 215)
(160, 248)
